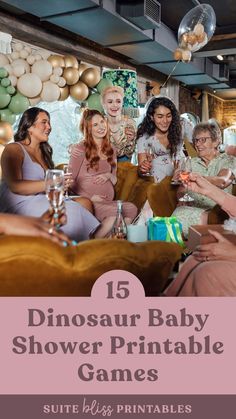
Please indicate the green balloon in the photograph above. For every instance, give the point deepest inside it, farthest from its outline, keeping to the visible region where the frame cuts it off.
(19, 103)
(5, 82)
(102, 84)
(3, 90)
(11, 90)
(7, 116)
(3, 72)
(94, 102)
(4, 100)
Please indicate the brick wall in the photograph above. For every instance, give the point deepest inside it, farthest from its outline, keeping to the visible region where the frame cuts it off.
(229, 113)
(187, 103)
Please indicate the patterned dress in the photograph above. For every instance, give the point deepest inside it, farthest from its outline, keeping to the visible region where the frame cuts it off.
(162, 164)
(124, 148)
(191, 215)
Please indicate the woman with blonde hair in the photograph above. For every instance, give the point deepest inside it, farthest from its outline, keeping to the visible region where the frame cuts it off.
(93, 165)
(122, 129)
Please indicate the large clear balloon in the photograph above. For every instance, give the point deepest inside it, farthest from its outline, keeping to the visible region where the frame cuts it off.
(197, 27)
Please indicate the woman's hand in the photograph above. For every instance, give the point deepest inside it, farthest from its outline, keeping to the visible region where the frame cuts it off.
(199, 184)
(130, 133)
(31, 226)
(98, 198)
(68, 181)
(223, 249)
(101, 179)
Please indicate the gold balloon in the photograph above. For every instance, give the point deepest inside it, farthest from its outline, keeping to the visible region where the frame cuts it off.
(79, 91)
(82, 68)
(71, 61)
(56, 60)
(71, 75)
(6, 132)
(91, 77)
(178, 54)
(64, 93)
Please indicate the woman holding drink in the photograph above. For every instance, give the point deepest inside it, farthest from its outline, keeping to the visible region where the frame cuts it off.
(215, 167)
(122, 129)
(159, 131)
(24, 164)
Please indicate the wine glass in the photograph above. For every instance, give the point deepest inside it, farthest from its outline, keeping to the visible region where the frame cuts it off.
(149, 156)
(67, 171)
(54, 188)
(185, 170)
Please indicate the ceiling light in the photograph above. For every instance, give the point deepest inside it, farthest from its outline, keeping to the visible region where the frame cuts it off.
(220, 57)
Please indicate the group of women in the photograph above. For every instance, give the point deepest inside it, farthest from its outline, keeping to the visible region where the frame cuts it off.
(93, 162)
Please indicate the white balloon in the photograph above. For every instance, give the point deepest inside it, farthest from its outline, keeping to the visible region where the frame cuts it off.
(15, 55)
(54, 78)
(29, 85)
(58, 71)
(24, 54)
(43, 69)
(45, 54)
(28, 49)
(3, 60)
(33, 101)
(13, 80)
(18, 46)
(20, 61)
(38, 57)
(50, 92)
(30, 59)
(18, 70)
(62, 82)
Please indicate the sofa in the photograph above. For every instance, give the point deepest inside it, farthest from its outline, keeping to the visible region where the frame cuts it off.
(163, 201)
(38, 267)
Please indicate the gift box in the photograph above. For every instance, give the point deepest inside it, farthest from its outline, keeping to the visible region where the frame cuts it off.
(199, 234)
(167, 229)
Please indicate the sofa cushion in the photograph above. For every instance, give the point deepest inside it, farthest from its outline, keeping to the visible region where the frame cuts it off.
(38, 267)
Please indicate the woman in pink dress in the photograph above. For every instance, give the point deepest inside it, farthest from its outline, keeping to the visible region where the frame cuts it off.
(211, 270)
(93, 165)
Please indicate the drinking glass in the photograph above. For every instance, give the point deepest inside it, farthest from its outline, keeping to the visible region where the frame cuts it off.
(67, 171)
(54, 188)
(149, 156)
(185, 167)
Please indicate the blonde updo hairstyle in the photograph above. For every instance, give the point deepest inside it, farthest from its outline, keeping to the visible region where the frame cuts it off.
(112, 89)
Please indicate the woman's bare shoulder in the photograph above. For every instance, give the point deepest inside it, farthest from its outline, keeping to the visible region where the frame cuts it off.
(13, 149)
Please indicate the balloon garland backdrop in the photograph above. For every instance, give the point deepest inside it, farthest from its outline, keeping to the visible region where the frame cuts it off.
(28, 77)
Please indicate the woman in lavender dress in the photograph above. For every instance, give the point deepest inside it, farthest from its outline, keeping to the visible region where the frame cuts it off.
(93, 166)
(24, 164)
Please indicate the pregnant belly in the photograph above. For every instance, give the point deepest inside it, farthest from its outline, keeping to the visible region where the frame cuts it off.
(88, 188)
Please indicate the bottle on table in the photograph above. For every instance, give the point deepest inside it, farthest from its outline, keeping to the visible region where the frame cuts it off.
(119, 228)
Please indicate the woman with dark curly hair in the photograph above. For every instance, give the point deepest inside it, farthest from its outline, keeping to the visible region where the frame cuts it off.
(93, 165)
(160, 130)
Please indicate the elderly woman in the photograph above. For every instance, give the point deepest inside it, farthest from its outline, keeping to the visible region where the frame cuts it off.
(211, 270)
(122, 129)
(160, 130)
(215, 167)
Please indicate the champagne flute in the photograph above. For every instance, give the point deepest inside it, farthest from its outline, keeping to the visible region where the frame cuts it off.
(185, 170)
(149, 156)
(54, 188)
(66, 170)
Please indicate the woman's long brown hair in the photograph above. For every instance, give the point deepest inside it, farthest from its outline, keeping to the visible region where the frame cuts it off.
(91, 151)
